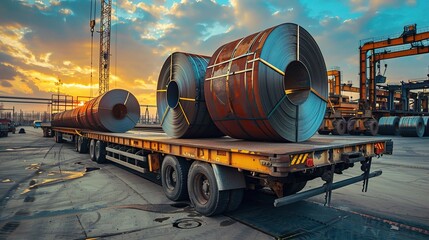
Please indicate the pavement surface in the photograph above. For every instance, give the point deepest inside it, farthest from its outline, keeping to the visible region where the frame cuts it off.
(48, 191)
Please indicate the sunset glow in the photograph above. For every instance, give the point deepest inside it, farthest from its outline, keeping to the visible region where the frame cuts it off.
(43, 41)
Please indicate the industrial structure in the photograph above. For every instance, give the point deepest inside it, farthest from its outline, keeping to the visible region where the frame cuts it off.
(213, 172)
(375, 99)
(104, 52)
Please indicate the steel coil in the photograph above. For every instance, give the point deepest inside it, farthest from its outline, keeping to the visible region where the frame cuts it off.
(388, 125)
(270, 86)
(411, 126)
(115, 111)
(426, 122)
(180, 97)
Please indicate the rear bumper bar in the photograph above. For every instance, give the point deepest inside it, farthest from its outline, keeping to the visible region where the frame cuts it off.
(323, 189)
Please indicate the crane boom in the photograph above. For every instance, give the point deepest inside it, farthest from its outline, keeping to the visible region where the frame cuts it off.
(105, 24)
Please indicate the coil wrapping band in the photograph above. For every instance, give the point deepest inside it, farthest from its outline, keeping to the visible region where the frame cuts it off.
(271, 85)
(411, 126)
(388, 125)
(180, 97)
(115, 111)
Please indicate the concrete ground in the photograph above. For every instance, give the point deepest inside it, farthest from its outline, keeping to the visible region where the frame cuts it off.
(48, 191)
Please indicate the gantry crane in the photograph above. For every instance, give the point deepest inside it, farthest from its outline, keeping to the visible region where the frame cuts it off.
(383, 55)
(105, 26)
(364, 122)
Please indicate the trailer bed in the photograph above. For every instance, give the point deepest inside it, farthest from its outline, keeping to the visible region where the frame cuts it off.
(270, 149)
(275, 159)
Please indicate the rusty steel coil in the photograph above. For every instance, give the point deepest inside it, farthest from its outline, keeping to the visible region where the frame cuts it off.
(388, 125)
(426, 122)
(115, 111)
(411, 126)
(180, 97)
(270, 86)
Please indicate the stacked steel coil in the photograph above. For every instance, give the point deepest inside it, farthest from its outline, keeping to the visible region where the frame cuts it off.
(411, 126)
(114, 111)
(388, 125)
(180, 97)
(426, 122)
(271, 85)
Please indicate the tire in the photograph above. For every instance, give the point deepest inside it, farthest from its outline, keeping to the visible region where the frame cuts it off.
(371, 127)
(235, 199)
(81, 144)
(100, 152)
(92, 149)
(350, 127)
(340, 127)
(174, 174)
(292, 188)
(203, 190)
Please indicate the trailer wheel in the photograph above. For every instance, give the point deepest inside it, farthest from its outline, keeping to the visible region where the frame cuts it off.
(235, 199)
(100, 152)
(371, 127)
(203, 190)
(81, 144)
(174, 172)
(340, 127)
(92, 149)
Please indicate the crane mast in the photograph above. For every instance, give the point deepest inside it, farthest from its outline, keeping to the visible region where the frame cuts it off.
(105, 25)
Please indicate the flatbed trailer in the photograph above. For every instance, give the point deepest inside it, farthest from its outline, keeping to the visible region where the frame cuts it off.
(213, 173)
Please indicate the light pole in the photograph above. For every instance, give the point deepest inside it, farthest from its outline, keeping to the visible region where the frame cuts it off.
(58, 93)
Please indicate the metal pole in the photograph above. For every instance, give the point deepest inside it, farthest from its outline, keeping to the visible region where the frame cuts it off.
(311, 193)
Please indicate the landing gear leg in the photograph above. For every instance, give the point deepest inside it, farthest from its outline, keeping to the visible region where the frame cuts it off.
(328, 177)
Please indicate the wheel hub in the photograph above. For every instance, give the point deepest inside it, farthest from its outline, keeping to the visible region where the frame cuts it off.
(206, 188)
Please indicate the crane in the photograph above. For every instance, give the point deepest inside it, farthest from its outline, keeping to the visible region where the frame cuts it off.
(397, 53)
(104, 54)
(364, 121)
(367, 85)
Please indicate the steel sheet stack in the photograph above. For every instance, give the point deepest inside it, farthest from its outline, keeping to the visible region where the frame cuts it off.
(180, 97)
(388, 125)
(270, 86)
(115, 111)
(411, 126)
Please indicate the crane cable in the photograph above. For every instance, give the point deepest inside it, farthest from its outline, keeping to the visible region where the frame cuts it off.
(92, 12)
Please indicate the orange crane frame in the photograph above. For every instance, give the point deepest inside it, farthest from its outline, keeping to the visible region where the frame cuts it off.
(334, 84)
(409, 36)
(395, 54)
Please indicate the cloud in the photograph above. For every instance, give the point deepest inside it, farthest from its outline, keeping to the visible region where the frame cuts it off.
(7, 72)
(43, 41)
(5, 83)
(66, 11)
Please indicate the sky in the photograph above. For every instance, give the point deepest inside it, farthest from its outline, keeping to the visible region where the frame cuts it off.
(42, 41)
